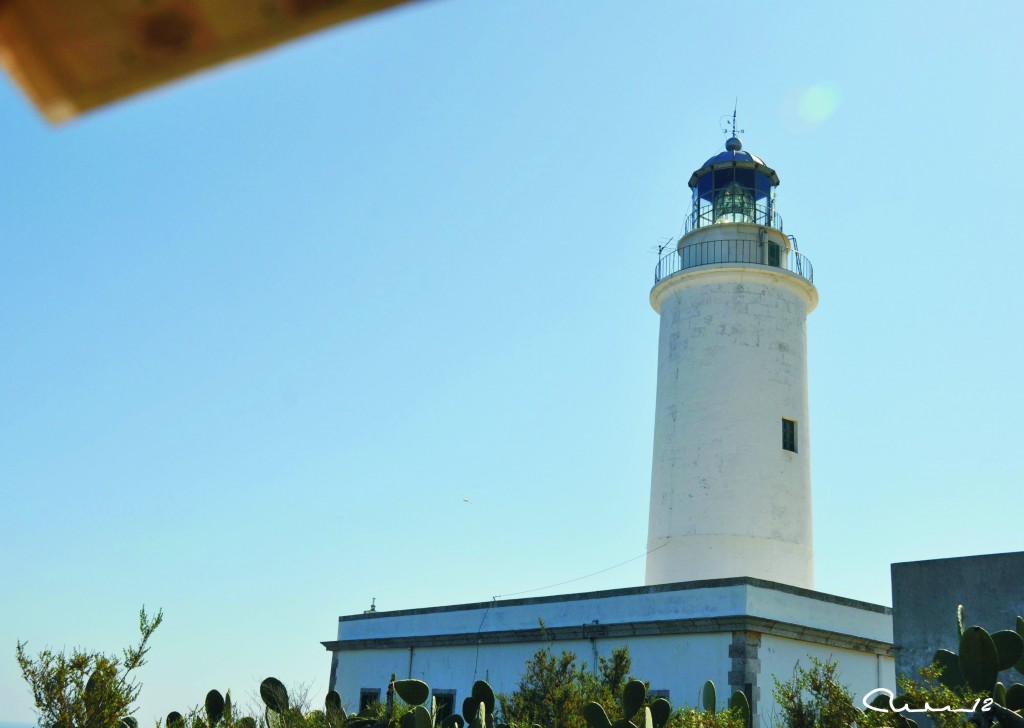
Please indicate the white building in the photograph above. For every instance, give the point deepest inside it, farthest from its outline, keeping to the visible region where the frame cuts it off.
(728, 593)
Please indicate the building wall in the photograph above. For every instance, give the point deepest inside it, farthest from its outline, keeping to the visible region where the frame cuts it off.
(925, 595)
(678, 663)
(859, 671)
(735, 632)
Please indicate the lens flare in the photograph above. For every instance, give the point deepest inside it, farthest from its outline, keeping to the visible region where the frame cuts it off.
(805, 109)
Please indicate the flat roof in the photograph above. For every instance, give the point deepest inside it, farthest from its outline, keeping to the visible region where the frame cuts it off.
(629, 591)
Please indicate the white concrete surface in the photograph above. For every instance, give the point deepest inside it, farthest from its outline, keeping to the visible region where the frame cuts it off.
(861, 672)
(726, 498)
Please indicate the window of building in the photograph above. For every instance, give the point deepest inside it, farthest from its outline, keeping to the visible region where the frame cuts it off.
(445, 703)
(788, 435)
(367, 697)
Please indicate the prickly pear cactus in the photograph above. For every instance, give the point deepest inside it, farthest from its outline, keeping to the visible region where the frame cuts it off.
(979, 660)
(739, 703)
(480, 718)
(274, 695)
(418, 717)
(646, 721)
(708, 697)
(469, 706)
(482, 692)
(1010, 648)
(453, 721)
(661, 711)
(1015, 697)
(1019, 667)
(982, 657)
(413, 692)
(214, 705)
(595, 716)
(633, 696)
(334, 714)
(951, 676)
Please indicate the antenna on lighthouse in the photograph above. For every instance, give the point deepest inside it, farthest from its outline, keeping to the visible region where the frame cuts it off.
(661, 245)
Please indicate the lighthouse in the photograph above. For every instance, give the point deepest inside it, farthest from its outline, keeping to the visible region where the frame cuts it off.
(729, 594)
(731, 472)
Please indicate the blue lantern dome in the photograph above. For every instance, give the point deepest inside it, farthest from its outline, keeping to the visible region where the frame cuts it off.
(734, 186)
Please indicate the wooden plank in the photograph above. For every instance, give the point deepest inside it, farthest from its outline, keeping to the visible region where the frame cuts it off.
(70, 56)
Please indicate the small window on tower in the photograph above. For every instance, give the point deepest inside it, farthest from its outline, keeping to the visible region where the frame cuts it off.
(788, 435)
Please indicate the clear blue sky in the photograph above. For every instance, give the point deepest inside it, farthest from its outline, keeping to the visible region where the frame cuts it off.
(264, 328)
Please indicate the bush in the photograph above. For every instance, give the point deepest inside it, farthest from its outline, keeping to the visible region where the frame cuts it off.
(86, 689)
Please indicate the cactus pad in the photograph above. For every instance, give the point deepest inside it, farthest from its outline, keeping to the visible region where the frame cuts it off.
(274, 695)
(1015, 697)
(273, 718)
(979, 661)
(661, 710)
(949, 662)
(482, 692)
(214, 707)
(708, 698)
(480, 717)
(1009, 647)
(332, 707)
(647, 721)
(332, 703)
(633, 696)
(469, 708)
(421, 717)
(595, 716)
(1019, 667)
(739, 703)
(413, 692)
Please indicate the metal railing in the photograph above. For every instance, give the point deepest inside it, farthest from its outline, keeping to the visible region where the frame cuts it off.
(764, 215)
(711, 252)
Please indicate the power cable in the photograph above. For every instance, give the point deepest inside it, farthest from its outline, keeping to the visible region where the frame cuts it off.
(578, 578)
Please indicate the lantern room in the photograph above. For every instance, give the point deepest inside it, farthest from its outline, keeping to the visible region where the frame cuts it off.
(734, 187)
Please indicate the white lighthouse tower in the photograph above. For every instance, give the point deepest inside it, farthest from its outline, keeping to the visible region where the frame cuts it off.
(731, 478)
